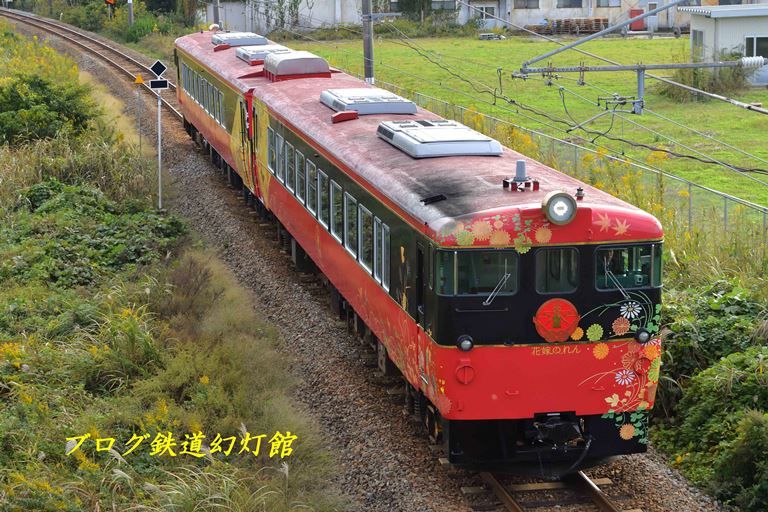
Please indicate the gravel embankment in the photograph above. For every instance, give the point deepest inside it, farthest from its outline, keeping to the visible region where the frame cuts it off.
(384, 463)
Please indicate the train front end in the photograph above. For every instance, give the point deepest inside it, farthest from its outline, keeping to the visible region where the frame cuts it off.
(547, 345)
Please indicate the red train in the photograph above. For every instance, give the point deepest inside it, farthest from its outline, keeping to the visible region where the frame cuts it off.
(520, 305)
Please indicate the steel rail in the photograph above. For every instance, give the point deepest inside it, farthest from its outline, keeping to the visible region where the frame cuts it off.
(62, 31)
(577, 482)
(501, 492)
(598, 497)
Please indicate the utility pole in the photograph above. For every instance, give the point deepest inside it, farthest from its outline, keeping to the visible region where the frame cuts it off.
(368, 41)
(130, 12)
(216, 16)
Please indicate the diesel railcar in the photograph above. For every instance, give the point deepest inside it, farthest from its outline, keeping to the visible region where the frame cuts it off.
(520, 305)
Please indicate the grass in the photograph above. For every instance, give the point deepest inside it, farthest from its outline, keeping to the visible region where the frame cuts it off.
(110, 326)
(479, 61)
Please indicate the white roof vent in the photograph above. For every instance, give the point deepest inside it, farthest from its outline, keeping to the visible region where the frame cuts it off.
(238, 38)
(423, 139)
(366, 101)
(256, 54)
(295, 63)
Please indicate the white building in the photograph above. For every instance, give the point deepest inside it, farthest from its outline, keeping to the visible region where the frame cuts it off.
(539, 12)
(262, 16)
(741, 29)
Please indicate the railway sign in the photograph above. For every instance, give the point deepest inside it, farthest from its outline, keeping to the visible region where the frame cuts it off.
(158, 68)
(158, 84)
(139, 79)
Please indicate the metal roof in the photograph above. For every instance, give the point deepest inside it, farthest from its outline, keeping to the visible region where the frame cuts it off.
(727, 11)
(470, 184)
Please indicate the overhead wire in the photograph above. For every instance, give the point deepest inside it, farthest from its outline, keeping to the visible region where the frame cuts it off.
(480, 87)
(597, 134)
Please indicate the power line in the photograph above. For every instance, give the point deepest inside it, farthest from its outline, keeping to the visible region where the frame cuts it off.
(690, 89)
(492, 91)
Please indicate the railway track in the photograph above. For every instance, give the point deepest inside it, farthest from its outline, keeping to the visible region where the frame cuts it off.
(121, 61)
(578, 490)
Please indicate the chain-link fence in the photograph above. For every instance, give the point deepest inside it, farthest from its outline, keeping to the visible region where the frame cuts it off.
(688, 211)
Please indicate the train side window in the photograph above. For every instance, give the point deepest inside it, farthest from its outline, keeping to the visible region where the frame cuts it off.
(350, 223)
(557, 270)
(385, 256)
(323, 199)
(280, 158)
(337, 211)
(221, 108)
(300, 181)
(290, 167)
(445, 272)
(656, 277)
(215, 105)
(204, 99)
(431, 266)
(312, 186)
(211, 102)
(377, 249)
(365, 238)
(255, 121)
(271, 153)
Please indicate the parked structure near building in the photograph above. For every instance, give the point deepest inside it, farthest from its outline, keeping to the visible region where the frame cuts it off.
(543, 12)
(739, 29)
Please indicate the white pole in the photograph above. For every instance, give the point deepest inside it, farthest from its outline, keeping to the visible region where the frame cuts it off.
(159, 155)
(138, 113)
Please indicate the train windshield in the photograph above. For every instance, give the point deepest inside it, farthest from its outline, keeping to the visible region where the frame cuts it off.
(476, 272)
(637, 266)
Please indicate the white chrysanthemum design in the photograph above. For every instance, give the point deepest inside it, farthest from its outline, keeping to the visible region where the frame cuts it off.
(631, 310)
(625, 377)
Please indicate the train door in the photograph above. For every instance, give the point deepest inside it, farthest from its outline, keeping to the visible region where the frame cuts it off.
(246, 150)
(421, 284)
(254, 132)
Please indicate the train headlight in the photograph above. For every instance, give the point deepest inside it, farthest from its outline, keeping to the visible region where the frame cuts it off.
(465, 342)
(559, 207)
(642, 336)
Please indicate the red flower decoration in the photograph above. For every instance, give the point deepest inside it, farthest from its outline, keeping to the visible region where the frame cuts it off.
(556, 319)
(621, 326)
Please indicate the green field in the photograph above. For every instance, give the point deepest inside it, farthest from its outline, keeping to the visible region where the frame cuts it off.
(457, 70)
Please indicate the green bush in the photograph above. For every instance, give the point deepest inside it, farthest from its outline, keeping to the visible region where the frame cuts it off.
(32, 108)
(707, 323)
(714, 434)
(90, 16)
(741, 472)
(69, 235)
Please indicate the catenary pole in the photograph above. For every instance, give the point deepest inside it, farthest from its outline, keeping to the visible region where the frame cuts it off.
(368, 41)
